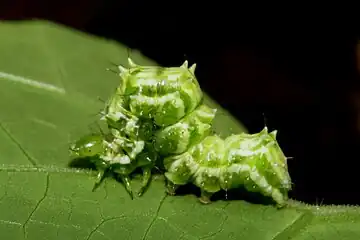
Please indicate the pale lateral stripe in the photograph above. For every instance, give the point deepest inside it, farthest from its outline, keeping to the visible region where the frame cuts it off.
(204, 114)
(31, 82)
(146, 82)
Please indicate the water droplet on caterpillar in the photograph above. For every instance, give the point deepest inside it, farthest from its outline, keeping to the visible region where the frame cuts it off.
(162, 83)
(226, 189)
(208, 157)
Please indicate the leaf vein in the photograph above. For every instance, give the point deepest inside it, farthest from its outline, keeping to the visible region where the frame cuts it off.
(221, 227)
(55, 225)
(6, 185)
(10, 222)
(295, 227)
(31, 160)
(177, 228)
(31, 82)
(42, 168)
(103, 221)
(155, 217)
(37, 205)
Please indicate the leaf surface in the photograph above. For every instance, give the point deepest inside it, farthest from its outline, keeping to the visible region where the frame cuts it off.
(51, 79)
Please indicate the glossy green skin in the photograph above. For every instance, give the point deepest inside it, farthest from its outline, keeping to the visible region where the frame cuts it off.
(140, 114)
(192, 129)
(251, 160)
(112, 157)
(159, 105)
(88, 146)
(158, 112)
(162, 95)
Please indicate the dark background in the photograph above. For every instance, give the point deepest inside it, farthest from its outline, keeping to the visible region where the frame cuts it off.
(296, 66)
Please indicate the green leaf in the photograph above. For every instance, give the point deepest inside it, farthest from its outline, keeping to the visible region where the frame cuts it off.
(50, 80)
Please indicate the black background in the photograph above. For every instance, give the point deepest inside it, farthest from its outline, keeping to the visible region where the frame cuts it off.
(295, 65)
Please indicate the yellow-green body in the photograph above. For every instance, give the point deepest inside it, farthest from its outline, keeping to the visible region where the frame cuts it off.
(157, 113)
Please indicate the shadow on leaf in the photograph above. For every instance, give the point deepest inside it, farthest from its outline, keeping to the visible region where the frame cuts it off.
(83, 163)
(230, 195)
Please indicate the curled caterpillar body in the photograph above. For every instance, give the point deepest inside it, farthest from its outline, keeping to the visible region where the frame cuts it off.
(159, 105)
(155, 110)
(254, 161)
(158, 113)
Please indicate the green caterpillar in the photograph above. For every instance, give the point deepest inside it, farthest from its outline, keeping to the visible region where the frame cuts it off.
(254, 161)
(157, 118)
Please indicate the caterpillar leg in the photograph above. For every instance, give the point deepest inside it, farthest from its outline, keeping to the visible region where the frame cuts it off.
(205, 197)
(145, 180)
(127, 184)
(100, 178)
(171, 187)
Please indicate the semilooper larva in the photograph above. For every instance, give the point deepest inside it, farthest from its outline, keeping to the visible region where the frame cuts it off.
(157, 119)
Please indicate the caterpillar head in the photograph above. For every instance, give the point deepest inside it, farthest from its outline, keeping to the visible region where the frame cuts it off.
(87, 146)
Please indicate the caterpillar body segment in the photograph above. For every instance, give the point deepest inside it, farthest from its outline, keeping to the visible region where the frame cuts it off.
(164, 95)
(254, 161)
(190, 130)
